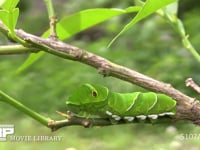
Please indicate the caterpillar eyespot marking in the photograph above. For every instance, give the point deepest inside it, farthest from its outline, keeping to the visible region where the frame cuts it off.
(96, 100)
(94, 94)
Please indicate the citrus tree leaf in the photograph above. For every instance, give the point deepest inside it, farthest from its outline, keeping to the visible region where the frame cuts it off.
(9, 18)
(70, 25)
(13, 17)
(149, 7)
(9, 4)
(4, 17)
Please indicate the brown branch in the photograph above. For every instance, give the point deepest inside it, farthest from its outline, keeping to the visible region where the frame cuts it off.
(72, 120)
(87, 123)
(91, 122)
(187, 108)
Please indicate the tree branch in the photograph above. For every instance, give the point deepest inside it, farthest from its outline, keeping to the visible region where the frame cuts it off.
(187, 108)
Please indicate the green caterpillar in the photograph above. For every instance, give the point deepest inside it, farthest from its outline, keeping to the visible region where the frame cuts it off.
(96, 100)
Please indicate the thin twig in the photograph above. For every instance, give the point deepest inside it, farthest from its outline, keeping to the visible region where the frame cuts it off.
(16, 49)
(190, 83)
(16, 104)
(87, 123)
(52, 19)
(52, 24)
(177, 24)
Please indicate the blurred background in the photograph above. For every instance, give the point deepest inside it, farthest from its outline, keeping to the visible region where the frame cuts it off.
(151, 47)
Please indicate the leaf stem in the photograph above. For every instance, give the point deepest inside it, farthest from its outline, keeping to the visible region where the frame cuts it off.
(13, 102)
(178, 26)
(50, 8)
(52, 18)
(16, 49)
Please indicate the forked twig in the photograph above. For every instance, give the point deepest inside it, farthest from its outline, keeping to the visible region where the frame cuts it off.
(190, 83)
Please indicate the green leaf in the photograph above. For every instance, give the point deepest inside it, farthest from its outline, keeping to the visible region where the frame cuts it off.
(9, 18)
(2, 2)
(82, 20)
(4, 17)
(13, 17)
(133, 9)
(147, 9)
(9, 15)
(31, 59)
(9, 4)
(70, 25)
(172, 9)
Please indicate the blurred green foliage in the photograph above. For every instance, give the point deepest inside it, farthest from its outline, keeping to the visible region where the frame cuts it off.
(150, 47)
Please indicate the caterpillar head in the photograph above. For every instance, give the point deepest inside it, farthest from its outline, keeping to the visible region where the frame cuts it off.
(88, 94)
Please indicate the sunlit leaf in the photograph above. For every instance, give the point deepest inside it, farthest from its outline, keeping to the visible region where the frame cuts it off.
(82, 20)
(4, 17)
(70, 25)
(13, 17)
(133, 9)
(172, 8)
(9, 4)
(9, 18)
(147, 9)
(2, 2)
